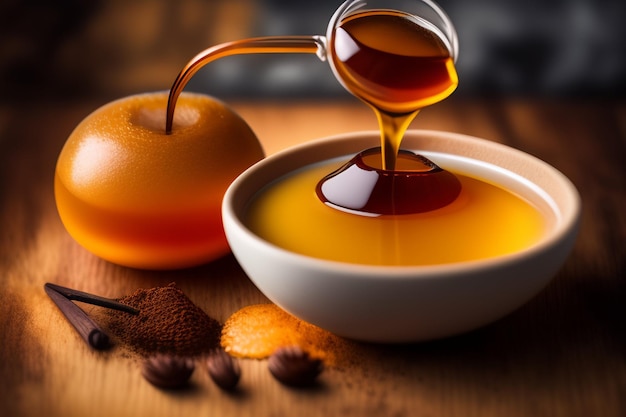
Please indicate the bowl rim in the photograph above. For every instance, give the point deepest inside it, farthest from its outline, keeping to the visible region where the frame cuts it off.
(566, 223)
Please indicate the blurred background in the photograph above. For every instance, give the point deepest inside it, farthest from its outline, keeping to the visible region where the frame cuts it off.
(74, 48)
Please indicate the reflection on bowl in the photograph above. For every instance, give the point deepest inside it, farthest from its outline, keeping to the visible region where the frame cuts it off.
(407, 303)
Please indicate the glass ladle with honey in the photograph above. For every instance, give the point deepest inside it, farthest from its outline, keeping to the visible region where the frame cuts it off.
(398, 57)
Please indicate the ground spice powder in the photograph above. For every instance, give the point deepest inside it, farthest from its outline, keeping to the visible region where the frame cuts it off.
(168, 322)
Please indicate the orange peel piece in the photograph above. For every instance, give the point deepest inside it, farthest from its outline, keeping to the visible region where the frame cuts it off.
(256, 331)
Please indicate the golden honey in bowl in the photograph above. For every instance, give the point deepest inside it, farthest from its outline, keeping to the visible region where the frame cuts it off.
(485, 220)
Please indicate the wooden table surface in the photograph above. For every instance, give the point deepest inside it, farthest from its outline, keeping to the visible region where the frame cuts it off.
(562, 354)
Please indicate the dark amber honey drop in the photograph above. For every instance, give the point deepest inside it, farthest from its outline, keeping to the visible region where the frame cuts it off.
(416, 185)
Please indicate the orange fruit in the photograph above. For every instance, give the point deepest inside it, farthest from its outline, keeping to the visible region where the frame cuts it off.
(135, 196)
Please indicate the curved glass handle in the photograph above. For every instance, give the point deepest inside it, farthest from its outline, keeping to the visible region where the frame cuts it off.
(272, 44)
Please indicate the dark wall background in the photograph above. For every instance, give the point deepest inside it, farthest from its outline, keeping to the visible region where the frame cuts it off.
(68, 48)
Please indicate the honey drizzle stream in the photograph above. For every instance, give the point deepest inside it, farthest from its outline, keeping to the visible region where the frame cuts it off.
(271, 44)
(392, 128)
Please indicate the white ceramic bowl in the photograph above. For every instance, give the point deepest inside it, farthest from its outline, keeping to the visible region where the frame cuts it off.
(407, 303)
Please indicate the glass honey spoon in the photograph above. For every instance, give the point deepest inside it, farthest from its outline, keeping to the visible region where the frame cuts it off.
(397, 56)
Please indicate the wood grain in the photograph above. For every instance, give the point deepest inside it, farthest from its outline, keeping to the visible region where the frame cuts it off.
(562, 354)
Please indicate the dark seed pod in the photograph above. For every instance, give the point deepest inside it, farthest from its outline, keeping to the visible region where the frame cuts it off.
(293, 366)
(223, 369)
(166, 371)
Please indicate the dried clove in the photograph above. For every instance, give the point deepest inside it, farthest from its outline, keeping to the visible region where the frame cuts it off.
(293, 366)
(223, 369)
(167, 371)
